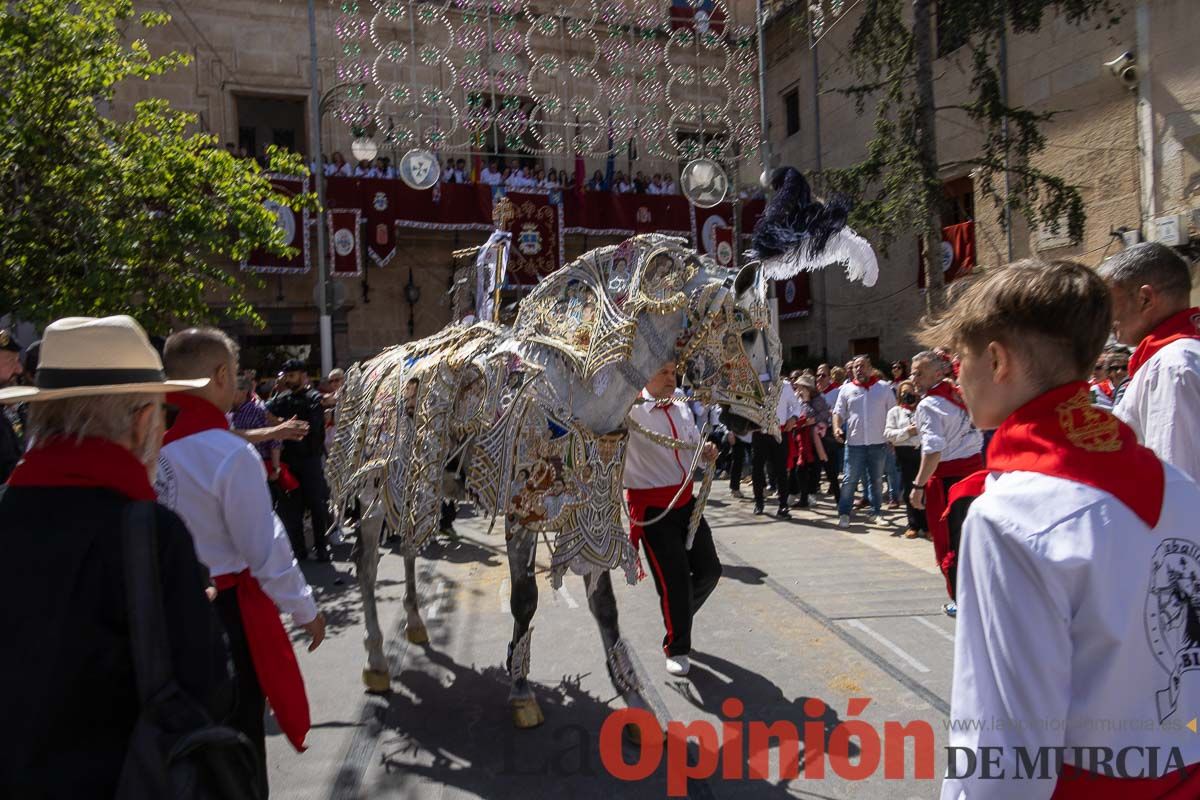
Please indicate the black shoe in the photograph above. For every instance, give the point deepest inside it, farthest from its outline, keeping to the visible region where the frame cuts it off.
(783, 513)
(758, 509)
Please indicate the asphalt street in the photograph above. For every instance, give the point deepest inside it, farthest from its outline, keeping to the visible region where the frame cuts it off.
(804, 612)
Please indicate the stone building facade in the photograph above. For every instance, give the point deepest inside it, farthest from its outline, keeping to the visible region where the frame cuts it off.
(1132, 147)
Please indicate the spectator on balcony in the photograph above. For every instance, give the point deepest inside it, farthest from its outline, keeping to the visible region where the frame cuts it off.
(543, 182)
(386, 167)
(448, 173)
(622, 185)
(656, 185)
(490, 175)
(338, 167)
(640, 183)
(374, 170)
(362, 169)
(669, 186)
(597, 183)
(552, 181)
(464, 175)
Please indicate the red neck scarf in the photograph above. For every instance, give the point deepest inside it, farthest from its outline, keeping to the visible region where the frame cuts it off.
(874, 380)
(93, 462)
(1184, 325)
(196, 415)
(1061, 433)
(1106, 388)
(948, 391)
(834, 385)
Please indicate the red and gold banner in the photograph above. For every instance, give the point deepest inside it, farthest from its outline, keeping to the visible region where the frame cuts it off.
(345, 248)
(295, 228)
(724, 246)
(536, 248)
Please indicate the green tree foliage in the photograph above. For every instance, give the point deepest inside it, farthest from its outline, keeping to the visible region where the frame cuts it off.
(99, 216)
(898, 188)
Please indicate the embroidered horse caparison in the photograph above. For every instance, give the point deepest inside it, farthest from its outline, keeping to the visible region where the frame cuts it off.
(529, 423)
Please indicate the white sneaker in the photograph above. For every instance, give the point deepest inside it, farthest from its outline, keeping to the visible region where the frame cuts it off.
(877, 520)
(844, 521)
(678, 665)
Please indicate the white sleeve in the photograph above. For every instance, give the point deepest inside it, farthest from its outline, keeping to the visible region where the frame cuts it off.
(1007, 611)
(839, 407)
(1165, 411)
(259, 535)
(932, 425)
(895, 431)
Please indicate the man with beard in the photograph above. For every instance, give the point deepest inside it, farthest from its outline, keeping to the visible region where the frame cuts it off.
(11, 442)
(305, 459)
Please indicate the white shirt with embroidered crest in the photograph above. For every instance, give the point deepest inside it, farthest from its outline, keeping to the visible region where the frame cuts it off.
(1073, 619)
(649, 465)
(946, 428)
(1162, 405)
(216, 482)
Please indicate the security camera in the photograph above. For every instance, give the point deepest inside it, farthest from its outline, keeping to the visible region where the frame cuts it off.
(1124, 68)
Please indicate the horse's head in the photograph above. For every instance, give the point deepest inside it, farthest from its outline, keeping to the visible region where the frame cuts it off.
(733, 357)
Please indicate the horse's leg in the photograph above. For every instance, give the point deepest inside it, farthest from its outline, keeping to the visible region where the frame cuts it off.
(603, 605)
(414, 627)
(376, 674)
(521, 545)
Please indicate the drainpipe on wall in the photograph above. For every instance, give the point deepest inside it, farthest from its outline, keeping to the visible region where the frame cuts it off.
(1147, 148)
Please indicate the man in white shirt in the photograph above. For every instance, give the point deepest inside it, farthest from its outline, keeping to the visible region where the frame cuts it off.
(669, 186)
(951, 449)
(659, 489)
(859, 419)
(829, 384)
(1151, 286)
(770, 452)
(1079, 609)
(216, 482)
(656, 185)
(491, 175)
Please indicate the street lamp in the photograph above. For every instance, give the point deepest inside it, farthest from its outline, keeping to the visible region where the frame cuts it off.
(412, 293)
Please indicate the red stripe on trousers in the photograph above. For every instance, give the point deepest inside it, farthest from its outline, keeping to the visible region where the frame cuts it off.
(666, 605)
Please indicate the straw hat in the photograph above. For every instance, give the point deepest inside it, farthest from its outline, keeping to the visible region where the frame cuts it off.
(86, 357)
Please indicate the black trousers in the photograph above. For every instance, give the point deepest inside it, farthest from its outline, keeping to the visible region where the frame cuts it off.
(834, 450)
(313, 497)
(684, 578)
(909, 459)
(250, 705)
(805, 480)
(737, 458)
(769, 453)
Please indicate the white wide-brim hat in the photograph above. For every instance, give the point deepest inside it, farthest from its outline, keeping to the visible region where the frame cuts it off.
(87, 357)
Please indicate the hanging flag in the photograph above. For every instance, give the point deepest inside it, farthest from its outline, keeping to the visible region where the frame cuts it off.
(958, 253)
(703, 17)
(795, 296)
(723, 237)
(381, 200)
(345, 252)
(295, 230)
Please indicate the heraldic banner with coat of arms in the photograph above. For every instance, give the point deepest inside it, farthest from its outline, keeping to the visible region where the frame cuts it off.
(536, 230)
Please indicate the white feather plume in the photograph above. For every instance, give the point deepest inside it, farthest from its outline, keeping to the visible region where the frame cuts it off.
(844, 247)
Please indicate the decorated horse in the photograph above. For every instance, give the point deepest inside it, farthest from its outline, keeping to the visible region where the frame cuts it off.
(530, 422)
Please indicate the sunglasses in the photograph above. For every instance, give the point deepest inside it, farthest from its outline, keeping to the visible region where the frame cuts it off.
(1118, 368)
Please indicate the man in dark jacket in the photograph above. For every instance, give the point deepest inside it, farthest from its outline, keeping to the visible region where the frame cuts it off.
(305, 458)
(68, 689)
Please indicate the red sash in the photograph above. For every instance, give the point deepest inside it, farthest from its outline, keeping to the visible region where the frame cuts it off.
(271, 650)
(93, 462)
(659, 497)
(1077, 784)
(196, 415)
(874, 380)
(1106, 388)
(1184, 325)
(937, 507)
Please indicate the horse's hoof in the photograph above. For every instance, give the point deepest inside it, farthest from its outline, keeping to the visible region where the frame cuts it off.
(417, 634)
(378, 681)
(526, 713)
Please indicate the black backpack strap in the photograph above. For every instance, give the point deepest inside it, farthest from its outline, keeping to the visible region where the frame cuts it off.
(143, 599)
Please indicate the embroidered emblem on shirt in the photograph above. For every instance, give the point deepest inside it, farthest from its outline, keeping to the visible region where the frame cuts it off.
(1087, 428)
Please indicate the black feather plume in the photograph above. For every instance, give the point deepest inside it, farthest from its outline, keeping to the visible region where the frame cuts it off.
(794, 220)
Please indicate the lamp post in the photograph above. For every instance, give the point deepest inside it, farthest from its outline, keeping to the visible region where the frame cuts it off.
(314, 113)
(412, 293)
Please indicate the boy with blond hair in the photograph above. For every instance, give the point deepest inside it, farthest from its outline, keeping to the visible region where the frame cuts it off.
(1079, 564)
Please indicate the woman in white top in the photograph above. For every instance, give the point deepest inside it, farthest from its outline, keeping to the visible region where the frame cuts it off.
(901, 432)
